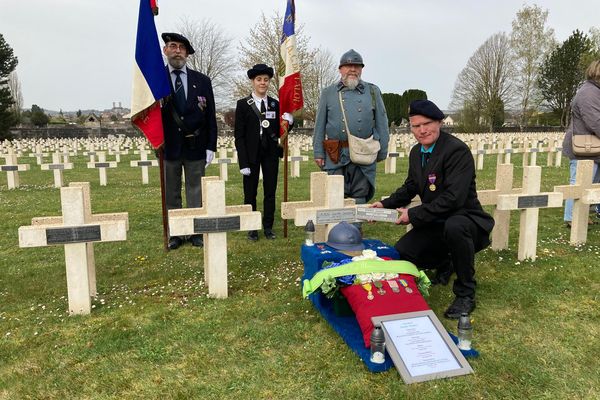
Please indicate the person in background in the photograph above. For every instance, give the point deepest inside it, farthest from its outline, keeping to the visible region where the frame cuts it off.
(366, 116)
(449, 226)
(256, 134)
(190, 126)
(585, 119)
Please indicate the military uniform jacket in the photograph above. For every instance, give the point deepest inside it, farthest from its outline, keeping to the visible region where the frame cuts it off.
(452, 170)
(365, 115)
(199, 116)
(247, 132)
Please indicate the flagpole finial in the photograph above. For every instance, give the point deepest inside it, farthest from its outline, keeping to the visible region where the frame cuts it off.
(154, 6)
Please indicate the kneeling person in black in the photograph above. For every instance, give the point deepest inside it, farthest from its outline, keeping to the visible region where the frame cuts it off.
(256, 141)
(450, 225)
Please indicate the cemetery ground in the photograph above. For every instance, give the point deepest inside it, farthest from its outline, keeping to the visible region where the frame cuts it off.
(154, 332)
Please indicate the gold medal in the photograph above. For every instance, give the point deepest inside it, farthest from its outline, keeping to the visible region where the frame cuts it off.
(368, 287)
(432, 187)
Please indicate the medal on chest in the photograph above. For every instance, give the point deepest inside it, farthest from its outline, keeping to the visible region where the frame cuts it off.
(265, 123)
(431, 178)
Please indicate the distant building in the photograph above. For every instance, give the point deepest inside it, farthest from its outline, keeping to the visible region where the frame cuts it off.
(92, 121)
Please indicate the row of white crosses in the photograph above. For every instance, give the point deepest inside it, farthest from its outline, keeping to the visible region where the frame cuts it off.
(78, 229)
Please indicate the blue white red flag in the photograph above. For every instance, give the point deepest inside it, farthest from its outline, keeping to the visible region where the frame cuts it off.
(290, 84)
(150, 81)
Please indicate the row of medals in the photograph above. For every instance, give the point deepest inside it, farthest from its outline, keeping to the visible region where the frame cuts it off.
(393, 285)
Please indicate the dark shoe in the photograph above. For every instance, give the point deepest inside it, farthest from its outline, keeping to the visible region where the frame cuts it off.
(460, 305)
(197, 240)
(253, 235)
(175, 242)
(269, 234)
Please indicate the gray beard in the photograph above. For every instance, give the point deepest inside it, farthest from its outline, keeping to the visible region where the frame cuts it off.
(177, 64)
(351, 83)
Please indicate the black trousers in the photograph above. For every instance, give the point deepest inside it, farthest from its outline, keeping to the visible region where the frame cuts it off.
(270, 168)
(455, 240)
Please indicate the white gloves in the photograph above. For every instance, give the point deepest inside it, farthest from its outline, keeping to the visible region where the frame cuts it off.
(245, 171)
(210, 155)
(288, 117)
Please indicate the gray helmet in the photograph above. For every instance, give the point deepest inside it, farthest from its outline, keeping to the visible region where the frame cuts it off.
(351, 57)
(345, 236)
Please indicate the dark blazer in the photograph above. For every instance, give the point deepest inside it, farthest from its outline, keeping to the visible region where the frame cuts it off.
(197, 118)
(452, 165)
(247, 132)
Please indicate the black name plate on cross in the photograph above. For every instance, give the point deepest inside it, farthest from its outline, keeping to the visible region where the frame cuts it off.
(102, 165)
(532, 201)
(216, 224)
(144, 163)
(9, 167)
(78, 234)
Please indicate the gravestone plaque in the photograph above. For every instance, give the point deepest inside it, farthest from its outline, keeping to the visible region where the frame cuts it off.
(10, 167)
(56, 166)
(334, 215)
(393, 154)
(297, 158)
(144, 163)
(79, 234)
(102, 165)
(376, 214)
(216, 224)
(532, 201)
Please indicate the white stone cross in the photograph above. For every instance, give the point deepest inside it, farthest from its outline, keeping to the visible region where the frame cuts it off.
(529, 203)
(58, 168)
(582, 192)
(319, 198)
(144, 163)
(504, 182)
(214, 219)
(223, 162)
(39, 154)
(393, 154)
(102, 165)
(334, 209)
(12, 168)
(295, 159)
(77, 229)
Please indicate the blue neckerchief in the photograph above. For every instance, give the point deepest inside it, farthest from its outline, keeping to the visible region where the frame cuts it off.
(429, 151)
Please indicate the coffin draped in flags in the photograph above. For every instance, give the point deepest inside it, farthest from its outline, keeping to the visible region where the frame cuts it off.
(290, 85)
(150, 82)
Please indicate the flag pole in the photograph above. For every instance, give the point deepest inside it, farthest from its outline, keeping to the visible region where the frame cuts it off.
(285, 173)
(165, 218)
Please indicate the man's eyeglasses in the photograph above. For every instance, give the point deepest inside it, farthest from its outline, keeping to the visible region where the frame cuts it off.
(176, 46)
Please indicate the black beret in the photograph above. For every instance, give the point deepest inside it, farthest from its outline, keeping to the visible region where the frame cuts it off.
(425, 108)
(176, 37)
(260, 69)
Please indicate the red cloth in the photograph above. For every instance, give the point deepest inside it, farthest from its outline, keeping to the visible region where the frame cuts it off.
(389, 303)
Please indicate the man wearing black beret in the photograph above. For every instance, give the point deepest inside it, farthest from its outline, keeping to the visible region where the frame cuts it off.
(190, 127)
(450, 225)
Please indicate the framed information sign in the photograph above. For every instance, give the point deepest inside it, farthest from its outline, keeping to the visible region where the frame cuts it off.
(420, 347)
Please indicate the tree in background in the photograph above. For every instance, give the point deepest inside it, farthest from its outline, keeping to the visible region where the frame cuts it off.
(15, 89)
(213, 52)
(530, 40)
(8, 63)
(408, 97)
(393, 107)
(470, 118)
(562, 71)
(38, 117)
(486, 80)
(396, 105)
(262, 45)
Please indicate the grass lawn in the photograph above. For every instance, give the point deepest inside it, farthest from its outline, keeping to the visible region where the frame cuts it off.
(154, 333)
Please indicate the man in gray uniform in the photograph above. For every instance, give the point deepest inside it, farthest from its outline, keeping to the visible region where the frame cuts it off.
(366, 116)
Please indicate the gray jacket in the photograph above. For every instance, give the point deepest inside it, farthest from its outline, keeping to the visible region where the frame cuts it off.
(585, 118)
(365, 115)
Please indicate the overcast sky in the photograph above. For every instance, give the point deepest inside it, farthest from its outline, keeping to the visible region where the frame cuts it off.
(78, 54)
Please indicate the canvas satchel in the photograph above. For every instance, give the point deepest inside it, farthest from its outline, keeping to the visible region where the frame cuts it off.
(362, 151)
(586, 145)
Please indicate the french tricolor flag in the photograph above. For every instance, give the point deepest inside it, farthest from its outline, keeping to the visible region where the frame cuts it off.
(150, 81)
(290, 85)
